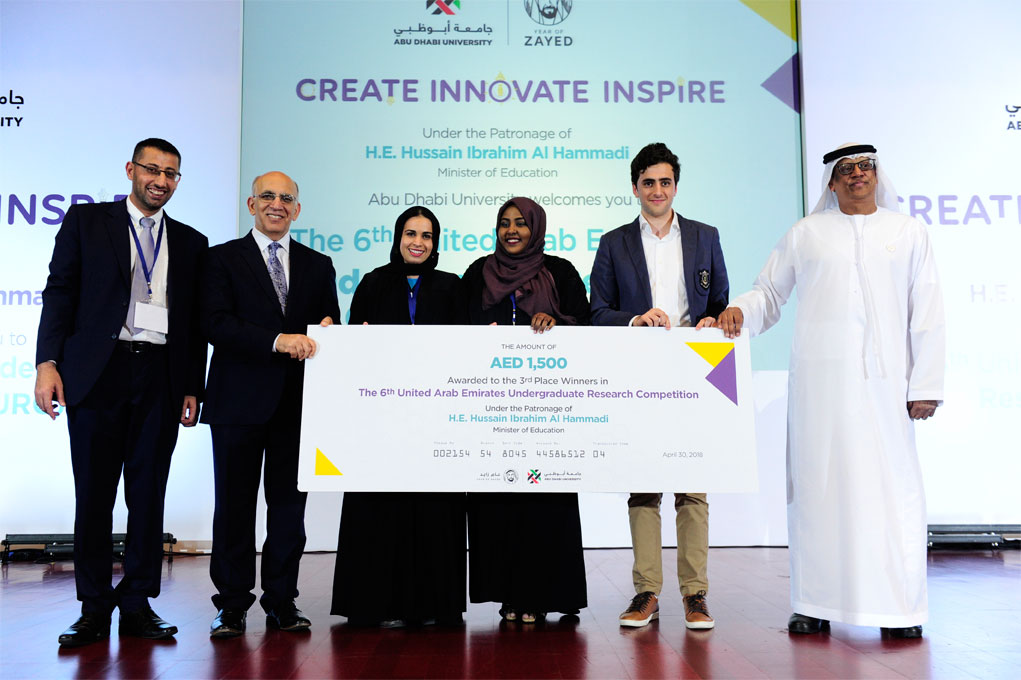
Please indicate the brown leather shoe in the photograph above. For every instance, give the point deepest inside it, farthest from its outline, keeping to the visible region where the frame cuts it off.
(696, 614)
(644, 608)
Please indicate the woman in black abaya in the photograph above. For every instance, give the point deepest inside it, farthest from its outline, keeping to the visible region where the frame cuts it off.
(525, 549)
(401, 556)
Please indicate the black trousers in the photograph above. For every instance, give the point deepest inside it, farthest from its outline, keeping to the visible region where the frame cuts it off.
(238, 455)
(127, 424)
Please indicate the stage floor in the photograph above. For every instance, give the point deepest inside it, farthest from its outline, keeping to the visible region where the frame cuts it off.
(974, 630)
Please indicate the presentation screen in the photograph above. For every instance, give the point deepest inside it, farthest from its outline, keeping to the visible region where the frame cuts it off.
(460, 105)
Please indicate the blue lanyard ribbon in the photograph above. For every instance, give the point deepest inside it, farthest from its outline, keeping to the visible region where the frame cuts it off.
(413, 299)
(155, 253)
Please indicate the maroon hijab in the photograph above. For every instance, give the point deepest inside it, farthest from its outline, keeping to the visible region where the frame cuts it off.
(523, 274)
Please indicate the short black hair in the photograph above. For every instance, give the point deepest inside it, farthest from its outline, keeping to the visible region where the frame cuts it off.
(651, 155)
(158, 144)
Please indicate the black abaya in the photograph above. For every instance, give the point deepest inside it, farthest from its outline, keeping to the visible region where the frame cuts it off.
(402, 555)
(525, 549)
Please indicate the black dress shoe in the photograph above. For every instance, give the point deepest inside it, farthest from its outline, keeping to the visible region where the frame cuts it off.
(228, 623)
(801, 624)
(908, 633)
(453, 620)
(87, 629)
(144, 623)
(287, 618)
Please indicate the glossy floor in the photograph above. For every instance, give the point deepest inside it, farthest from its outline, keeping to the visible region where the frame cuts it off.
(974, 630)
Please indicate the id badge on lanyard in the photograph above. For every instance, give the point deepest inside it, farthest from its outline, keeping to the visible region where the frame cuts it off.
(149, 315)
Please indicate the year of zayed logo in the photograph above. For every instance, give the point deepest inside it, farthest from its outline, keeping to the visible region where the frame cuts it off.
(548, 12)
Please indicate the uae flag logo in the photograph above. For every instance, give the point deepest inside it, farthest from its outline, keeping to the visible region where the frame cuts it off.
(442, 6)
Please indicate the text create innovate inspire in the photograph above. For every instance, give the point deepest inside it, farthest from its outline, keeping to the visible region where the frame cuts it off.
(501, 91)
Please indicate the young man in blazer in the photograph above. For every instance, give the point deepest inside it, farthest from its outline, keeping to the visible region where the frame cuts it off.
(260, 292)
(119, 347)
(664, 270)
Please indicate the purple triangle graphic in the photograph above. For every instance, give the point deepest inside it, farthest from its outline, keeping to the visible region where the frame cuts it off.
(724, 377)
(785, 83)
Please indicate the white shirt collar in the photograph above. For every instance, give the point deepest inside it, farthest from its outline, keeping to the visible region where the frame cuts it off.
(136, 214)
(646, 228)
(263, 241)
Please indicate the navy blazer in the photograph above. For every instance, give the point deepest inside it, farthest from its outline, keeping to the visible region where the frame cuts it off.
(241, 316)
(620, 277)
(88, 291)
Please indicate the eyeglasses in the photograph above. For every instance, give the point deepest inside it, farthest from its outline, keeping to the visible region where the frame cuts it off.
(269, 197)
(172, 175)
(864, 166)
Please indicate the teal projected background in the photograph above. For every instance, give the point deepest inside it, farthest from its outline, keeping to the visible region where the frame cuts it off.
(373, 107)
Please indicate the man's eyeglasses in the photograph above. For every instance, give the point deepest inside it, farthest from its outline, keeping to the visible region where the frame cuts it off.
(864, 166)
(269, 197)
(172, 175)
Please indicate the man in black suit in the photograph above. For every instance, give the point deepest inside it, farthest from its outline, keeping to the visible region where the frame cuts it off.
(119, 347)
(260, 293)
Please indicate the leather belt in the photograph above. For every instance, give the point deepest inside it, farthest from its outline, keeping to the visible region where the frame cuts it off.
(135, 347)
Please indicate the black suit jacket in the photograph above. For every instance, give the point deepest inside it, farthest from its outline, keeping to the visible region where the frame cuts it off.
(620, 277)
(241, 316)
(89, 289)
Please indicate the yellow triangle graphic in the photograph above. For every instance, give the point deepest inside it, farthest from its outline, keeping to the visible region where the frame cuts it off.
(713, 352)
(780, 13)
(324, 466)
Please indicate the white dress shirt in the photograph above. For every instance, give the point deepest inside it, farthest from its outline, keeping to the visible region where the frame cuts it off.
(664, 260)
(283, 255)
(159, 273)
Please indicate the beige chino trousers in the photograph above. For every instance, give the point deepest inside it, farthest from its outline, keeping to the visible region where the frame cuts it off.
(692, 511)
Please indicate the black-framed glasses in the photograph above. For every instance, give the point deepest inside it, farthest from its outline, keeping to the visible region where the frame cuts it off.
(864, 166)
(171, 174)
(269, 197)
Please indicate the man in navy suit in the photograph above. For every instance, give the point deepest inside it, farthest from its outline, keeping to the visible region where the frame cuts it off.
(260, 293)
(119, 347)
(662, 270)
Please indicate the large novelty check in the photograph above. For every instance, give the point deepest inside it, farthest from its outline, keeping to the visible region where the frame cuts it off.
(485, 408)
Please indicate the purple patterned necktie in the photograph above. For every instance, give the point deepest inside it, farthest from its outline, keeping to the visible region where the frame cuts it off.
(276, 273)
(139, 286)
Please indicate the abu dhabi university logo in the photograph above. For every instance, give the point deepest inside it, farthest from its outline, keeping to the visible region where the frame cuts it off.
(442, 6)
(548, 12)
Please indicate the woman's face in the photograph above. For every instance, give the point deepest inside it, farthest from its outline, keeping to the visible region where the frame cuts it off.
(417, 240)
(513, 232)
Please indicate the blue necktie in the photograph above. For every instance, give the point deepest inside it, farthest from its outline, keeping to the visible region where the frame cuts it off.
(139, 285)
(276, 273)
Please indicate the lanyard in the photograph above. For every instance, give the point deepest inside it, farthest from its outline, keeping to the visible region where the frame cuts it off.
(412, 300)
(514, 310)
(155, 254)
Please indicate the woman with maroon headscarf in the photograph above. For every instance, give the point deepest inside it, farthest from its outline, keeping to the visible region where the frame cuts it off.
(524, 550)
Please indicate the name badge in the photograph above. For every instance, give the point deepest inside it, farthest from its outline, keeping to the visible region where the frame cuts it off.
(151, 317)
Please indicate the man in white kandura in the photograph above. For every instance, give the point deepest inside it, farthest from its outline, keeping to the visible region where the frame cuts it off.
(867, 359)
